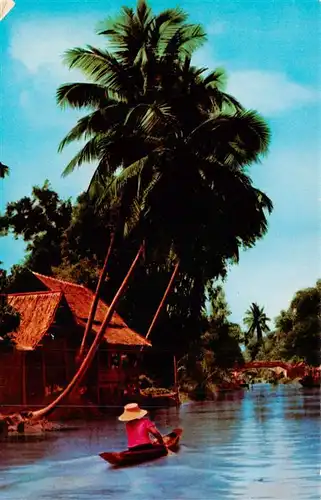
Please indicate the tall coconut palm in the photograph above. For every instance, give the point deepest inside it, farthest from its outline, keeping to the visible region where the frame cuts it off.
(120, 80)
(148, 77)
(257, 322)
(4, 170)
(180, 146)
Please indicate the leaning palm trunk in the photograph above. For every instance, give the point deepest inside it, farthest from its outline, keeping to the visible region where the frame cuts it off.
(91, 353)
(94, 304)
(162, 302)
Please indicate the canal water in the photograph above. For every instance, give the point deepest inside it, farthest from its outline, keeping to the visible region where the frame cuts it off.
(258, 444)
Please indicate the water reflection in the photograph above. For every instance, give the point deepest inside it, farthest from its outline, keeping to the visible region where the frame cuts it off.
(260, 444)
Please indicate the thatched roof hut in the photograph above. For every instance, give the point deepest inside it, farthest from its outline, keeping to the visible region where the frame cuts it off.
(53, 319)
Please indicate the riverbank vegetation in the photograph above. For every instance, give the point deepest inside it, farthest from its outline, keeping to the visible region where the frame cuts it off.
(9, 317)
(296, 336)
(60, 241)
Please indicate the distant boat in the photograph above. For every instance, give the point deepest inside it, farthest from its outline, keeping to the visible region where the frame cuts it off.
(165, 399)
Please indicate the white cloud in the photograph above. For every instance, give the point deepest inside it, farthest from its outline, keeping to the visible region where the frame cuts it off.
(205, 57)
(40, 44)
(216, 28)
(269, 92)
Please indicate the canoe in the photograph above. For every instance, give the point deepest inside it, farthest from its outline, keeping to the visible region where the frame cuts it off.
(131, 457)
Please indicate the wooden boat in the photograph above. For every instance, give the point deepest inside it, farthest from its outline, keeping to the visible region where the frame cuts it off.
(164, 400)
(131, 457)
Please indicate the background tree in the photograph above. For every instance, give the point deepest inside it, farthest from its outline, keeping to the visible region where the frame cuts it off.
(211, 357)
(40, 220)
(296, 336)
(221, 336)
(9, 317)
(257, 322)
(302, 341)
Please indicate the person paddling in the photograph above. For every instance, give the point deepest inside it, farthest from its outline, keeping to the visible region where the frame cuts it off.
(139, 428)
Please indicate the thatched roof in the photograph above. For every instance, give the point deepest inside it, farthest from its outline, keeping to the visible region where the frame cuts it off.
(79, 299)
(37, 312)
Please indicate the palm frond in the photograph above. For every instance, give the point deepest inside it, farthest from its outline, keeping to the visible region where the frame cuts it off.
(148, 118)
(264, 201)
(98, 186)
(239, 138)
(217, 79)
(163, 27)
(157, 117)
(184, 41)
(89, 153)
(143, 12)
(140, 207)
(4, 170)
(100, 121)
(101, 67)
(131, 171)
(80, 95)
(125, 38)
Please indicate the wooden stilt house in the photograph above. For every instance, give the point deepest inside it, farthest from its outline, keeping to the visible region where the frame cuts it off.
(42, 362)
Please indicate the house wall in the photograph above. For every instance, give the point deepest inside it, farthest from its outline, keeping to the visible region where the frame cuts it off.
(57, 363)
(31, 377)
(11, 372)
(113, 375)
(34, 377)
(28, 377)
(21, 378)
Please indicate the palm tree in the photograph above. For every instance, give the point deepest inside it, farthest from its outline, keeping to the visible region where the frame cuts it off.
(124, 77)
(256, 321)
(4, 170)
(179, 145)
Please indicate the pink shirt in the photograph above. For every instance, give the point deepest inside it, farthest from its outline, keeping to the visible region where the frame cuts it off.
(138, 432)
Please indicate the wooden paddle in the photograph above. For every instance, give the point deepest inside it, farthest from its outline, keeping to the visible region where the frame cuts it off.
(166, 440)
(169, 452)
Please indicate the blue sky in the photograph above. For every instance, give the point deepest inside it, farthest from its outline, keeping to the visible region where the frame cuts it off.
(271, 51)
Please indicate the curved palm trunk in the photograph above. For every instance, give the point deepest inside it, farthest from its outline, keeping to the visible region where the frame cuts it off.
(91, 353)
(162, 302)
(94, 303)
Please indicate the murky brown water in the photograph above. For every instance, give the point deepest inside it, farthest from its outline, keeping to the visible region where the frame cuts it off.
(261, 444)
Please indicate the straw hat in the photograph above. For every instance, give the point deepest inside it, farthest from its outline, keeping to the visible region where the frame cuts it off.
(131, 412)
